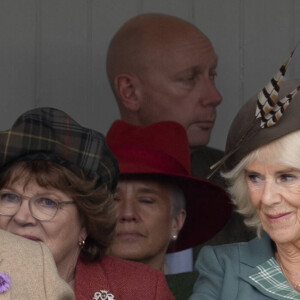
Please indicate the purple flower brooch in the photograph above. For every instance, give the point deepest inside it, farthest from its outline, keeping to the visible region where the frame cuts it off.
(4, 282)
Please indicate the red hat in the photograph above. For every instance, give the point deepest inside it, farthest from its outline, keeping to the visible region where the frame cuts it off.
(162, 148)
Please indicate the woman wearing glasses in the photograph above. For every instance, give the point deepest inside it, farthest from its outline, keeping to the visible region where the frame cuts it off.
(56, 182)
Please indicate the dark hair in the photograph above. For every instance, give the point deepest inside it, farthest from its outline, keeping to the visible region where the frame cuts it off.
(95, 205)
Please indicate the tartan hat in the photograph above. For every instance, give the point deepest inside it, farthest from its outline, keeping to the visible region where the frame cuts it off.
(50, 134)
(258, 137)
(162, 149)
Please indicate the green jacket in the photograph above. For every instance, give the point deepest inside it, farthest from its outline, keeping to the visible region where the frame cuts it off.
(224, 271)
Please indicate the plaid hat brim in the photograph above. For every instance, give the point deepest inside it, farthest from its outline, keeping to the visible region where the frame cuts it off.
(50, 134)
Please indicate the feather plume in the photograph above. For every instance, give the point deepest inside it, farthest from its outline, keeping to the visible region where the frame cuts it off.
(279, 108)
(267, 97)
(268, 108)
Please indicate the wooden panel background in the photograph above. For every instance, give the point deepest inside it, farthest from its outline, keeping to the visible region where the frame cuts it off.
(52, 52)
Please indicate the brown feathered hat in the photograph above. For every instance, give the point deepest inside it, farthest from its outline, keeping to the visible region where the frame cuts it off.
(269, 115)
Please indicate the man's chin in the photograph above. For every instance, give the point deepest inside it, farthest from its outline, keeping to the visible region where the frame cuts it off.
(198, 136)
(198, 140)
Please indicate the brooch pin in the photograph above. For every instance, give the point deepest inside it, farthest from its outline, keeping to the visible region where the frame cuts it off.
(103, 295)
(4, 282)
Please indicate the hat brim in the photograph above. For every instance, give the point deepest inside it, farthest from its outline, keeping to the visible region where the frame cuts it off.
(245, 119)
(208, 208)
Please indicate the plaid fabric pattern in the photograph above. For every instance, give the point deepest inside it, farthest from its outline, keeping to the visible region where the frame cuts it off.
(272, 280)
(50, 134)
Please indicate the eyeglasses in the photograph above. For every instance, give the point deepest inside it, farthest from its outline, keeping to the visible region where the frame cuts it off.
(42, 207)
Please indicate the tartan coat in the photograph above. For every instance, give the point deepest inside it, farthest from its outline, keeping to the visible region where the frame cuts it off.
(118, 279)
(224, 271)
(31, 269)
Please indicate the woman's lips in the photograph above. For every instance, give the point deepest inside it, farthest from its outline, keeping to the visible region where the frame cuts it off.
(129, 235)
(277, 216)
(30, 237)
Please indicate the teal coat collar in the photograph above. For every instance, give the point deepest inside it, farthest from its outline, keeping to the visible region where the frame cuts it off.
(256, 252)
(253, 254)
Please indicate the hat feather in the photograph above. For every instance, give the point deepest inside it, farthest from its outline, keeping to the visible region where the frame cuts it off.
(268, 108)
(267, 97)
(279, 108)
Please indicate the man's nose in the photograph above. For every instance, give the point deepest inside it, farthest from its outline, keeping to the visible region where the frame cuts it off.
(210, 94)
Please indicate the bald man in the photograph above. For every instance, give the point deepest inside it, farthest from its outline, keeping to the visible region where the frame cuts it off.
(163, 68)
(160, 68)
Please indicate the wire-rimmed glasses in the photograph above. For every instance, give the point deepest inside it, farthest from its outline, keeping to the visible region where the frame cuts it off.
(42, 207)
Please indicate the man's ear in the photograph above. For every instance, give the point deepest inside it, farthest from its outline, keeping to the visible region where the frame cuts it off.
(126, 89)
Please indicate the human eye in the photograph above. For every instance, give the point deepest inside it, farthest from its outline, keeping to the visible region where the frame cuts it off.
(188, 78)
(45, 202)
(213, 75)
(8, 197)
(287, 177)
(146, 200)
(254, 177)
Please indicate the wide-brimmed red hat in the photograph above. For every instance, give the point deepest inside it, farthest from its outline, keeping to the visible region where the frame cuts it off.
(162, 148)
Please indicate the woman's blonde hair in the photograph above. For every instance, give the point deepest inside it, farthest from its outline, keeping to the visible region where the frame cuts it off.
(285, 150)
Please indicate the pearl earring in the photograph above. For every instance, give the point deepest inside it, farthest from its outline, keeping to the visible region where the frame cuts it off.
(174, 237)
(81, 244)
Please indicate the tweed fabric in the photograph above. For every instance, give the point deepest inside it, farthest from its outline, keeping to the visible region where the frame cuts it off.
(270, 278)
(32, 270)
(124, 279)
(50, 134)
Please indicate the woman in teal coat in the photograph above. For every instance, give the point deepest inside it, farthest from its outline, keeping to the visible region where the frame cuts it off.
(262, 167)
